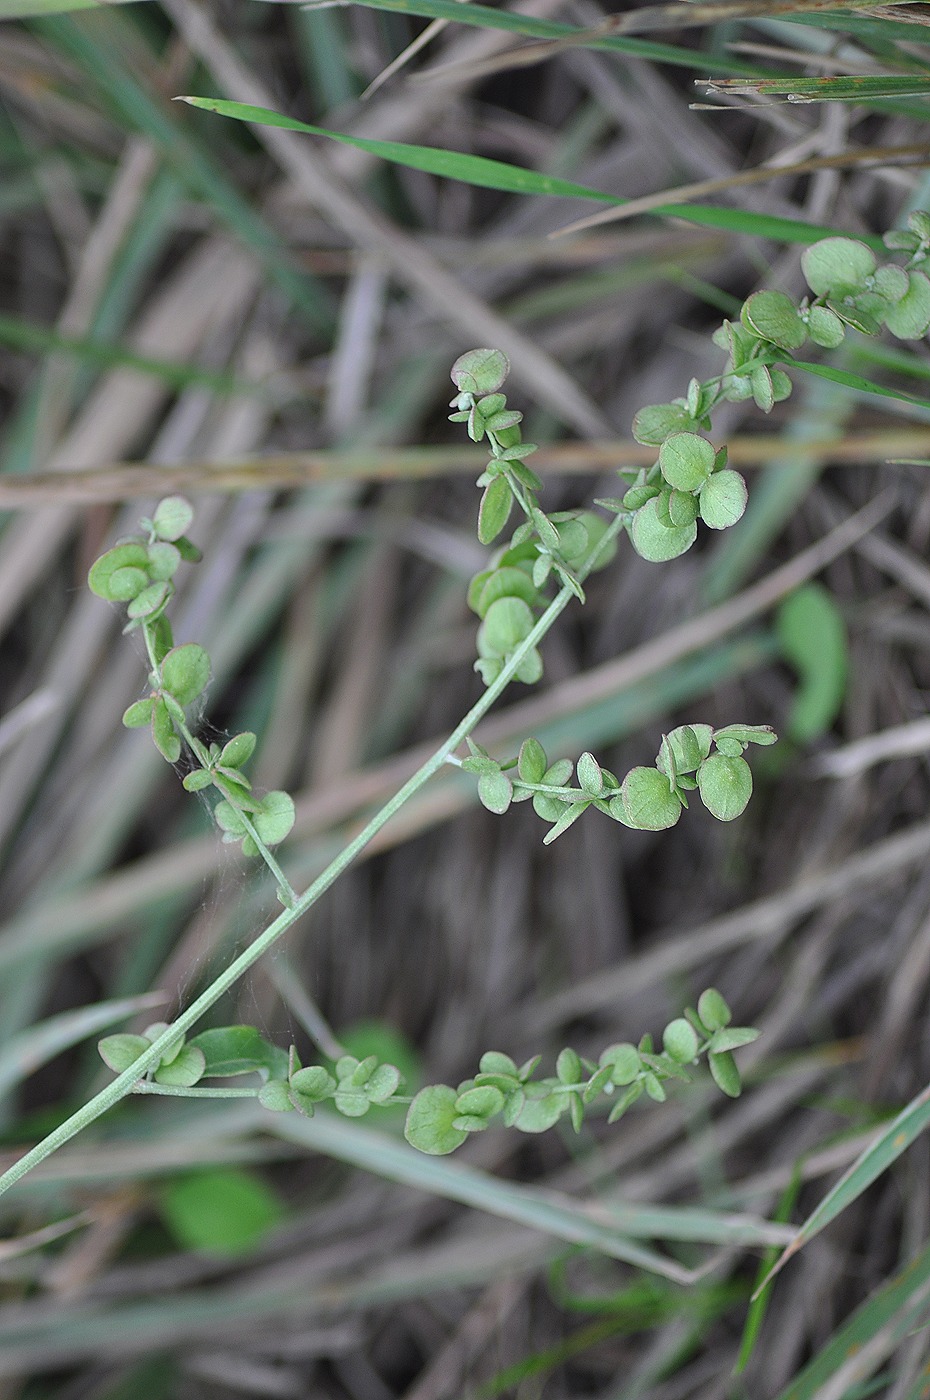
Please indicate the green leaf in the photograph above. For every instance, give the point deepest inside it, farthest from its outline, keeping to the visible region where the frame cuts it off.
(725, 785)
(825, 327)
(238, 751)
(723, 500)
(275, 1096)
(505, 583)
(656, 542)
(910, 317)
(184, 1070)
(732, 1038)
(229, 1050)
(383, 1082)
(725, 1073)
(713, 1010)
(481, 1102)
(131, 555)
(185, 672)
(813, 639)
(686, 461)
(623, 1061)
(139, 714)
(172, 517)
(680, 1041)
(646, 800)
(313, 1083)
(479, 371)
(837, 267)
(540, 1111)
(532, 761)
(495, 792)
(121, 1051)
(149, 601)
(773, 316)
(164, 560)
(429, 1127)
(690, 745)
(273, 822)
(221, 1211)
(163, 732)
(508, 622)
(494, 510)
(126, 584)
(653, 424)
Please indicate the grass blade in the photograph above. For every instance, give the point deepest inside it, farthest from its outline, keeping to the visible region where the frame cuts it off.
(876, 1159)
(854, 381)
(516, 179)
(857, 88)
(34, 1047)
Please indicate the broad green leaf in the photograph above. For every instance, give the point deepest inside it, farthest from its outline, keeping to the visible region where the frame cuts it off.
(480, 371)
(223, 1211)
(909, 318)
(532, 761)
(690, 744)
(686, 461)
(314, 1083)
(837, 267)
(725, 1073)
(149, 600)
(646, 801)
(185, 672)
(652, 425)
(713, 1010)
(505, 583)
(139, 715)
(774, 317)
(164, 559)
(723, 499)
(273, 822)
(163, 732)
(238, 750)
(540, 1112)
(184, 1070)
(825, 327)
(172, 517)
(813, 638)
(429, 1127)
(231, 1050)
(132, 556)
(679, 1040)
(656, 542)
(725, 785)
(495, 792)
(122, 1050)
(508, 622)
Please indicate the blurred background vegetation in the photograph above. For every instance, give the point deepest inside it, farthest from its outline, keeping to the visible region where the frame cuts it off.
(266, 322)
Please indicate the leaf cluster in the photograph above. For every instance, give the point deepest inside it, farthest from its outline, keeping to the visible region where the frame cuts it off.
(441, 1118)
(691, 757)
(218, 1053)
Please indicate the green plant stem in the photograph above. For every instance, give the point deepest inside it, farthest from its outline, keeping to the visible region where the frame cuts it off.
(176, 1091)
(125, 1083)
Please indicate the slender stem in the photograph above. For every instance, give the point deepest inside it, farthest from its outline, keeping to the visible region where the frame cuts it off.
(176, 1091)
(286, 891)
(126, 1082)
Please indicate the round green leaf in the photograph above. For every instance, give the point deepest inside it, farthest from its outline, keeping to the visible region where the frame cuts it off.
(505, 583)
(531, 668)
(623, 1060)
(680, 1042)
(723, 499)
(429, 1127)
(774, 317)
(648, 802)
(184, 1070)
(230, 1050)
(725, 785)
(276, 817)
(682, 508)
(481, 1102)
(713, 1010)
(275, 1095)
(229, 819)
(507, 623)
(495, 792)
(480, 371)
(314, 1083)
(686, 460)
(185, 672)
(573, 539)
(837, 266)
(496, 1062)
(825, 327)
(690, 745)
(652, 425)
(132, 555)
(127, 583)
(890, 283)
(121, 1051)
(384, 1081)
(221, 1211)
(172, 517)
(909, 319)
(538, 1114)
(494, 510)
(568, 1067)
(139, 714)
(589, 775)
(657, 542)
(164, 560)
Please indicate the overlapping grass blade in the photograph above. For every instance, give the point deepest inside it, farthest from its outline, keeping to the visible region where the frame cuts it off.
(859, 87)
(25, 1053)
(895, 1309)
(516, 179)
(876, 1159)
